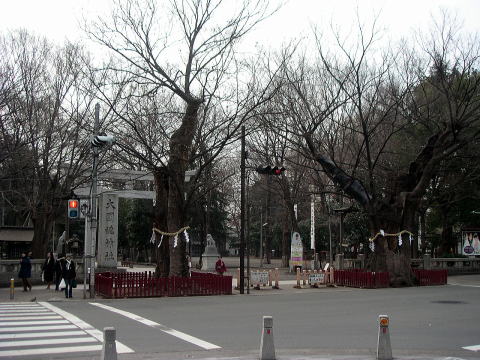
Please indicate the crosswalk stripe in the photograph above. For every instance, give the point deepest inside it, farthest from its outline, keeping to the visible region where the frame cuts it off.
(34, 328)
(42, 317)
(25, 303)
(39, 311)
(41, 334)
(50, 350)
(44, 322)
(22, 308)
(74, 340)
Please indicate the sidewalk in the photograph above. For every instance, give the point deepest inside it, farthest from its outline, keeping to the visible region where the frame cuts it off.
(40, 293)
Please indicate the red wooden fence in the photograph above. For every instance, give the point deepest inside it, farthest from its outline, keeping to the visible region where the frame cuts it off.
(121, 285)
(362, 279)
(430, 277)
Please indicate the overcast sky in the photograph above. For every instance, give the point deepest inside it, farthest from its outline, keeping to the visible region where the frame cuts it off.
(58, 19)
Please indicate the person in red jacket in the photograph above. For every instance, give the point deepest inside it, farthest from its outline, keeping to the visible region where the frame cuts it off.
(220, 267)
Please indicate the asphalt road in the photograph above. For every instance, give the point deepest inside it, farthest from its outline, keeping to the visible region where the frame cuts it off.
(424, 321)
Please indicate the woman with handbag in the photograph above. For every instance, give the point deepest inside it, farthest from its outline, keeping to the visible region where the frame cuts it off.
(48, 269)
(69, 275)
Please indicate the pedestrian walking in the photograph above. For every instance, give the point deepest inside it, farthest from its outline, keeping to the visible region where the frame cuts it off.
(58, 272)
(48, 269)
(25, 272)
(220, 267)
(69, 275)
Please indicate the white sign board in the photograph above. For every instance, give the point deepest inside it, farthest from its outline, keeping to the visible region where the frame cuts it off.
(108, 231)
(296, 252)
(318, 278)
(259, 277)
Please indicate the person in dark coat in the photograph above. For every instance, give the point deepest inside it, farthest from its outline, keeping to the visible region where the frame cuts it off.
(48, 269)
(25, 272)
(69, 274)
(58, 272)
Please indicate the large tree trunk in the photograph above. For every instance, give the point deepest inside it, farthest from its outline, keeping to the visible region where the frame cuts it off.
(42, 228)
(162, 257)
(180, 145)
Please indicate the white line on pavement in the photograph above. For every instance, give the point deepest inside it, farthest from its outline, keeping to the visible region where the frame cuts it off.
(22, 307)
(178, 334)
(41, 334)
(74, 340)
(44, 322)
(26, 312)
(50, 350)
(42, 317)
(464, 285)
(121, 348)
(34, 328)
(472, 348)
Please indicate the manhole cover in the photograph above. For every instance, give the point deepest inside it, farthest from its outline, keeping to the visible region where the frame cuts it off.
(448, 302)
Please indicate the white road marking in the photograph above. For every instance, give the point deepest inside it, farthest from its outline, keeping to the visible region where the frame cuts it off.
(22, 308)
(176, 333)
(89, 329)
(41, 334)
(42, 317)
(74, 340)
(44, 322)
(50, 350)
(29, 312)
(464, 285)
(472, 348)
(20, 303)
(34, 328)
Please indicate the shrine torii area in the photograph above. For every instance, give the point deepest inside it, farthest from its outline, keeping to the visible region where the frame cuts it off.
(108, 206)
(107, 210)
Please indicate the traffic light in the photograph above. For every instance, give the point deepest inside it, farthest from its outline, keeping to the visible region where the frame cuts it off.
(73, 208)
(268, 170)
(102, 140)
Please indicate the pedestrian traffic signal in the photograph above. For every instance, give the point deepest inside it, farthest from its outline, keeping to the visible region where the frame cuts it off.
(268, 170)
(73, 208)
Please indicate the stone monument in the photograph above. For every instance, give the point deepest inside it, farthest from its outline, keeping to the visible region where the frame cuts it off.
(210, 255)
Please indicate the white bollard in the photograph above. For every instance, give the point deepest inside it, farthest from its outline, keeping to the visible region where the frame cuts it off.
(384, 348)
(267, 347)
(109, 349)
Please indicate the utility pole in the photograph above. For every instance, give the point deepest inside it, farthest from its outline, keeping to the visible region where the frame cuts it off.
(242, 212)
(261, 236)
(91, 218)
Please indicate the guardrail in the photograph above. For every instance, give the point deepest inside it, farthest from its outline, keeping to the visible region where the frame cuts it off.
(362, 279)
(431, 277)
(145, 284)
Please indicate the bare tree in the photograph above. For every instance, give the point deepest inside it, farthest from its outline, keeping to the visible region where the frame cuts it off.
(187, 52)
(46, 114)
(392, 122)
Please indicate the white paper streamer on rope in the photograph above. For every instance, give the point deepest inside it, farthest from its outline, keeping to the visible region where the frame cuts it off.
(160, 243)
(410, 237)
(175, 241)
(400, 241)
(187, 239)
(372, 246)
(152, 238)
(382, 232)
